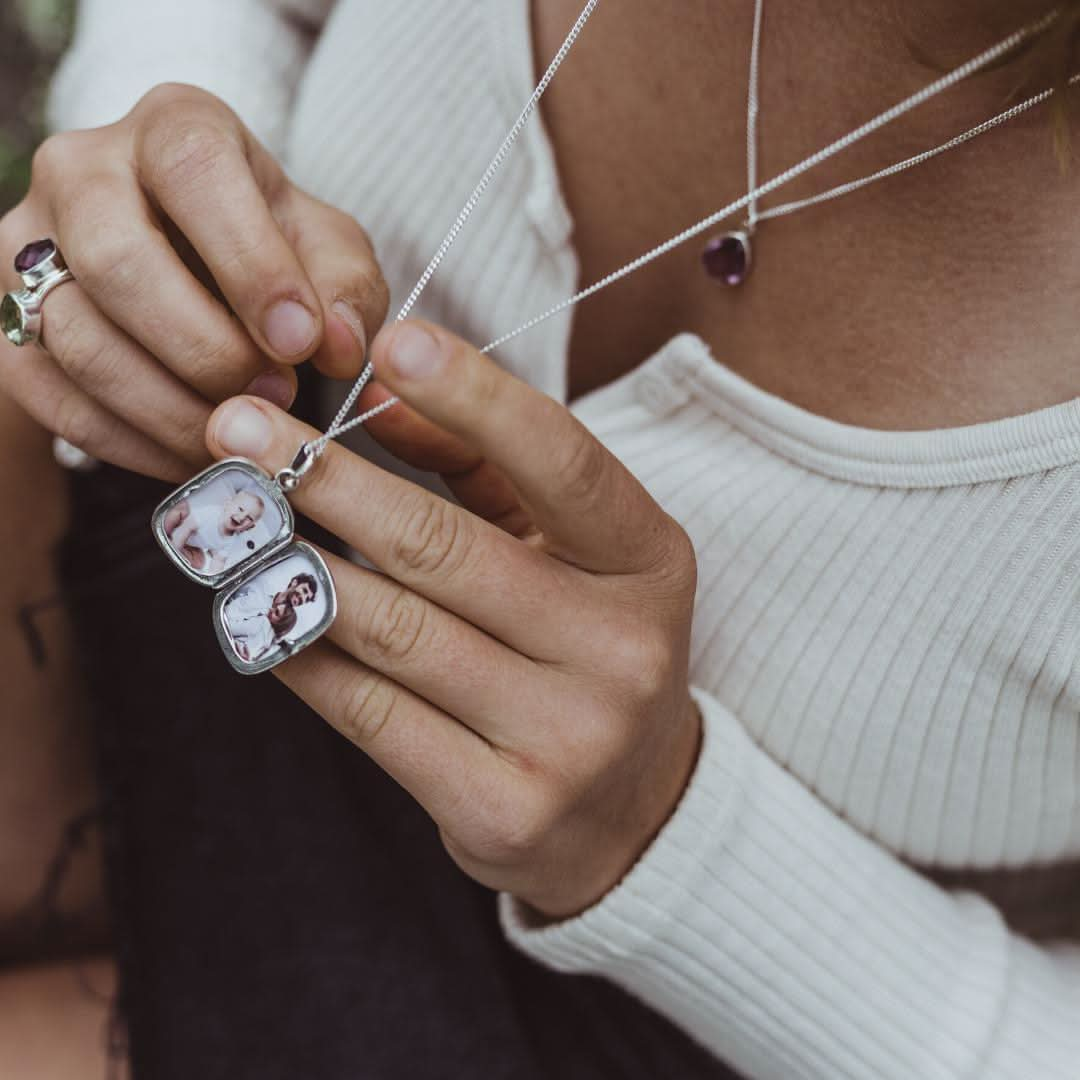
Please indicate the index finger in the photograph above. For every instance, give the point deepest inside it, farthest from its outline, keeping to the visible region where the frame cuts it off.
(438, 549)
(593, 511)
(204, 179)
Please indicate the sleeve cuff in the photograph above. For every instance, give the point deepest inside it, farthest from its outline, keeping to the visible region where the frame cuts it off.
(790, 944)
(631, 918)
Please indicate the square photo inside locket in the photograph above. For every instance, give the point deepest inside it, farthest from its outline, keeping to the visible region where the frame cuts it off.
(275, 610)
(223, 521)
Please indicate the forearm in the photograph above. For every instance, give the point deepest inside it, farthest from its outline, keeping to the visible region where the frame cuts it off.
(46, 775)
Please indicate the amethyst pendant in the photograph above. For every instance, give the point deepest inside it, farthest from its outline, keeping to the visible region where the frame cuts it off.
(727, 258)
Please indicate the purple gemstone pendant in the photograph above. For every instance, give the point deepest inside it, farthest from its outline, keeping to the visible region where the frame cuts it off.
(727, 258)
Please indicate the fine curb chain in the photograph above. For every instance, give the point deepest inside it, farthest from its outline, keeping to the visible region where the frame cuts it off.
(752, 110)
(337, 427)
(911, 162)
(315, 448)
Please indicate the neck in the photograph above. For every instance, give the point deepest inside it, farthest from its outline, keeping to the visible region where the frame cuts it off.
(934, 298)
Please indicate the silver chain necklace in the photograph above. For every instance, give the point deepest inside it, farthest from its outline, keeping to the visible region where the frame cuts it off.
(729, 257)
(231, 527)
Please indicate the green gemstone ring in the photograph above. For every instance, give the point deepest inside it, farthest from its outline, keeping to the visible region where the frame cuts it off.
(42, 268)
(20, 312)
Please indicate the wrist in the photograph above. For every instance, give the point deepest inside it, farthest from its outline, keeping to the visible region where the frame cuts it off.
(660, 791)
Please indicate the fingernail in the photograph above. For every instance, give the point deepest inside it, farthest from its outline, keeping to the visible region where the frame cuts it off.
(273, 387)
(243, 429)
(289, 328)
(351, 318)
(415, 353)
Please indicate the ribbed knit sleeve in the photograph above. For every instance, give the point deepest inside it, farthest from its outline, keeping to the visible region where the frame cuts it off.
(251, 53)
(791, 945)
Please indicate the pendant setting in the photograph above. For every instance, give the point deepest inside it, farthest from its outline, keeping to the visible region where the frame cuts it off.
(728, 257)
(231, 528)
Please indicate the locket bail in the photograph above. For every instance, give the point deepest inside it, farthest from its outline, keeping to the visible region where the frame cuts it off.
(288, 479)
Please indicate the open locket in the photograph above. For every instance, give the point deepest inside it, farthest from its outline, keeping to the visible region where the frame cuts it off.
(231, 528)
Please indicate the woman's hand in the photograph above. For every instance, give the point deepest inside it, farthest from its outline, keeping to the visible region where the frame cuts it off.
(201, 272)
(520, 665)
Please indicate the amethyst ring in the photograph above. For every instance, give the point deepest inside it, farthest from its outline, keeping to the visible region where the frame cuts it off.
(42, 268)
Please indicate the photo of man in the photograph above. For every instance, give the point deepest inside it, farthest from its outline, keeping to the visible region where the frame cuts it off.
(270, 612)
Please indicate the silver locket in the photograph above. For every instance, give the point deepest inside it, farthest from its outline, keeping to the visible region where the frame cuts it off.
(231, 528)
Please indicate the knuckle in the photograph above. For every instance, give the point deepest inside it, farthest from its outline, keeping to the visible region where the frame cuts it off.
(350, 224)
(87, 356)
(104, 254)
(161, 106)
(209, 361)
(52, 159)
(185, 434)
(73, 420)
(254, 267)
(373, 295)
(430, 541)
(513, 837)
(188, 437)
(398, 625)
(367, 708)
(166, 96)
(656, 662)
(641, 658)
(675, 561)
(682, 556)
(181, 152)
(108, 259)
(579, 474)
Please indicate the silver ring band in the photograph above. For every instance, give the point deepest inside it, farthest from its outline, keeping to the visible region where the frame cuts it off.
(48, 265)
(20, 312)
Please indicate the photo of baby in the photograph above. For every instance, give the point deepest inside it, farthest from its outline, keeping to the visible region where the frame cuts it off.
(222, 522)
(277, 610)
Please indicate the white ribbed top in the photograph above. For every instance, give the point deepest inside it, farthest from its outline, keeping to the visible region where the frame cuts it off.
(886, 633)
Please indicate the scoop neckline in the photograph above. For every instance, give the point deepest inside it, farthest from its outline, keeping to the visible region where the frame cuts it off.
(991, 450)
(976, 453)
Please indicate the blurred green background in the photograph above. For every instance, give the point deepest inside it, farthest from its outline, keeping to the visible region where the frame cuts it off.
(33, 34)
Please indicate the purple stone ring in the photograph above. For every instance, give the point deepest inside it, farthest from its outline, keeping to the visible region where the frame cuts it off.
(42, 268)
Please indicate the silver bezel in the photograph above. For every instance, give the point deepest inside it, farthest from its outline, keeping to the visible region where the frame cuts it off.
(233, 573)
(29, 308)
(52, 265)
(277, 655)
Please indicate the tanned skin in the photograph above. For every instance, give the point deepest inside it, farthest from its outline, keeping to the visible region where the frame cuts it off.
(942, 297)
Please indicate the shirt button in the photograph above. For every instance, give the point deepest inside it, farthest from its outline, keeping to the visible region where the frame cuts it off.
(661, 394)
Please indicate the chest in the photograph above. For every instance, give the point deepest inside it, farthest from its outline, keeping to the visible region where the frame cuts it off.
(639, 159)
